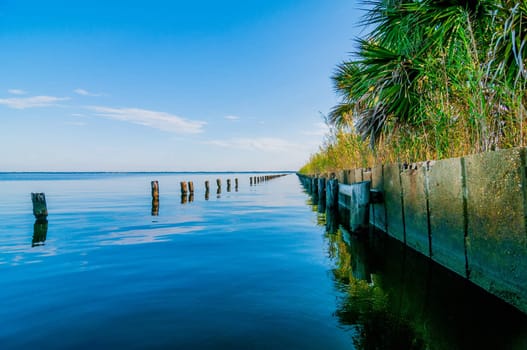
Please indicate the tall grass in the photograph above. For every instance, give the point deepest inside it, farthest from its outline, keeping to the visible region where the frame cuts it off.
(453, 85)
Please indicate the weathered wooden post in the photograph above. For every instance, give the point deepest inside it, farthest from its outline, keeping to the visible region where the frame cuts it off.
(40, 208)
(321, 195)
(359, 194)
(236, 184)
(332, 205)
(228, 185)
(251, 180)
(314, 190)
(155, 197)
(332, 194)
(218, 183)
(207, 190)
(183, 188)
(191, 187)
(155, 189)
(155, 206)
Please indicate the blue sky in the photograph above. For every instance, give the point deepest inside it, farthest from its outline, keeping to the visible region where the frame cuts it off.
(168, 85)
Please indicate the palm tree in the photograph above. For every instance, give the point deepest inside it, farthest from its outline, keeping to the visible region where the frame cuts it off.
(416, 51)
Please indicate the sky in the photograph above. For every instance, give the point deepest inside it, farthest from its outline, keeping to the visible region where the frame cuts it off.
(201, 85)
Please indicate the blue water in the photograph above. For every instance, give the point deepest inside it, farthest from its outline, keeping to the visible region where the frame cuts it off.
(252, 268)
(244, 269)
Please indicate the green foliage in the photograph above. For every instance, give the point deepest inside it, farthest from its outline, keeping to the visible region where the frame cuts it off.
(433, 79)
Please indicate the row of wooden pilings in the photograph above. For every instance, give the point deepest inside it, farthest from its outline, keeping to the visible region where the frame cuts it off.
(253, 180)
(40, 209)
(351, 202)
(188, 187)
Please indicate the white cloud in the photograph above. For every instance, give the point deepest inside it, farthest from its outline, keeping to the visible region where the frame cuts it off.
(319, 129)
(76, 123)
(232, 117)
(153, 119)
(83, 92)
(16, 92)
(31, 102)
(266, 144)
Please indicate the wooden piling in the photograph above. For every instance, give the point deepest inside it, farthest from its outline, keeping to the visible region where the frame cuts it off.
(40, 209)
(332, 194)
(358, 205)
(321, 195)
(155, 189)
(236, 183)
(228, 185)
(191, 187)
(207, 190)
(155, 206)
(251, 180)
(218, 183)
(184, 190)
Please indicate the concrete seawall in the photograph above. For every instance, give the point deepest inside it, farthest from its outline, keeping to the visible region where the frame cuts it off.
(467, 214)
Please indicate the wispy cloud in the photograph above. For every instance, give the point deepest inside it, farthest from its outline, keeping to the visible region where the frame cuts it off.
(31, 102)
(266, 144)
(153, 119)
(232, 117)
(84, 92)
(16, 92)
(76, 123)
(319, 129)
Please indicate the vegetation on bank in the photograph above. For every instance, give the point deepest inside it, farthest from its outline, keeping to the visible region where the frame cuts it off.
(433, 79)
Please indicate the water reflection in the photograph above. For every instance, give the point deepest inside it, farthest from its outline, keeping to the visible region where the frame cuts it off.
(394, 298)
(40, 232)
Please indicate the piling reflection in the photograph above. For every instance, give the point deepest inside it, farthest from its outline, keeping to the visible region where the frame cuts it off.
(184, 198)
(40, 232)
(191, 197)
(394, 298)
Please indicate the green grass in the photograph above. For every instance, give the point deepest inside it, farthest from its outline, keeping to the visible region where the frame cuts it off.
(454, 84)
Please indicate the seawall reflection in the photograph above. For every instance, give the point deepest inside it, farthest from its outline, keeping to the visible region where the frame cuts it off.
(394, 298)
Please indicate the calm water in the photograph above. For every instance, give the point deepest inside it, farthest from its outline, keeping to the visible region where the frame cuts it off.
(247, 269)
